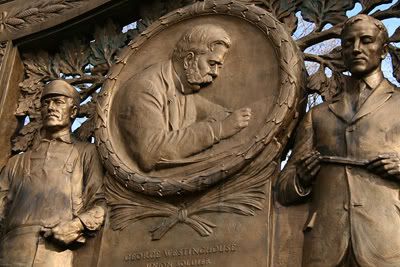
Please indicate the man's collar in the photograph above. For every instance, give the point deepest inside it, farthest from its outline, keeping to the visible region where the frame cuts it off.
(180, 85)
(374, 79)
(177, 81)
(171, 78)
(63, 137)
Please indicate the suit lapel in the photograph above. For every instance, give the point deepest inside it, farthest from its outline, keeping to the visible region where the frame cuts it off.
(342, 107)
(376, 100)
(173, 112)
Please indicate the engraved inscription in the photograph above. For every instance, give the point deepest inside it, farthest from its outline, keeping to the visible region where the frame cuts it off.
(180, 257)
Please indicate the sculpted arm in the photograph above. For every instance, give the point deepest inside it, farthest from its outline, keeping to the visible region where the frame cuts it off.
(152, 141)
(94, 207)
(386, 165)
(92, 214)
(207, 110)
(5, 177)
(294, 182)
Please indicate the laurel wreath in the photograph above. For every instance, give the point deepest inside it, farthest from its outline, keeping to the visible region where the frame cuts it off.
(35, 13)
(249, 168)
(281, 117)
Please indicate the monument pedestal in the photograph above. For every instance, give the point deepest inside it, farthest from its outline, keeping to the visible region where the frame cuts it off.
(236, 241)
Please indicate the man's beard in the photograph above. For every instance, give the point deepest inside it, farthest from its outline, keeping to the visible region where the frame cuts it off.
(194, 77)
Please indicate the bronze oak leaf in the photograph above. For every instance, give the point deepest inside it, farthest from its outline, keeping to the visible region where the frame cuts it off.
(322, 12)
(107, 42)
(326, 87)
(284, 11)
(73, 57)
(396, 36)
(395, 54)
(369, 5)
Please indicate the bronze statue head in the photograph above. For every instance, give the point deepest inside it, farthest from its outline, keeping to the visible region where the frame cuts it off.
(60, 104)
(201, 51)
(364, 42)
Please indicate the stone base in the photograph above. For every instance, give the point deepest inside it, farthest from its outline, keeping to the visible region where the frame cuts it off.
(236, 241)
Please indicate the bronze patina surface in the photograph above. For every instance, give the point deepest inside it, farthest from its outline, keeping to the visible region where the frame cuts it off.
(189, 107)
(346, 161)
(51, 196)
(188, 127)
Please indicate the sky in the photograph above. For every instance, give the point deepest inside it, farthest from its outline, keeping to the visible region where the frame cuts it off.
(322, 48)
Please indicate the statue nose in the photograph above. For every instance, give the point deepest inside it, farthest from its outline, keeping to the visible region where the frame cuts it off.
(214, 72)
(356, 48)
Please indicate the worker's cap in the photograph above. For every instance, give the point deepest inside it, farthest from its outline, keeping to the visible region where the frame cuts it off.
(61, 87)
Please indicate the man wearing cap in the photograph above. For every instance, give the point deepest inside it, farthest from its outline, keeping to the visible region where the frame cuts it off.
(346, 161)
(51, 195)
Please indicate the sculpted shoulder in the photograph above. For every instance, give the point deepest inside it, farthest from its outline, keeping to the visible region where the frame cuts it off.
(85, 146)
(16, 158)
(145, 81)
(322, 107)
(396, 90)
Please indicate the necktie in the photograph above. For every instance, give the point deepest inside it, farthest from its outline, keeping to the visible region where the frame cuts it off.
(364, 92)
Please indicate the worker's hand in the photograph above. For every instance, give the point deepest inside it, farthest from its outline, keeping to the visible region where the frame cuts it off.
(235, 122)
(307, 168)
(68, 231)
(386, 165)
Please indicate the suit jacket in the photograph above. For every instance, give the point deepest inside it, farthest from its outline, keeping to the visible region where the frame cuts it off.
(161, 124)
(349, 205)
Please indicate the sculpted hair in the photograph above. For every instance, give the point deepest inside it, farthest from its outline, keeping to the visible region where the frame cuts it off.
(201, 39)
(362, 17)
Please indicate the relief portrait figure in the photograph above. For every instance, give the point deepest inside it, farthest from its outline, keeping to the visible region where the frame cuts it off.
(346, 161)
(51, 196)
(164, 118)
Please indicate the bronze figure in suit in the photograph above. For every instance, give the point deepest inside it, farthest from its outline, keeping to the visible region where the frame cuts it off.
(346, 161)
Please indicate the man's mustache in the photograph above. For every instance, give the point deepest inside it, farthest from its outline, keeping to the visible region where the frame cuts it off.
(56, 115)
(205, 80)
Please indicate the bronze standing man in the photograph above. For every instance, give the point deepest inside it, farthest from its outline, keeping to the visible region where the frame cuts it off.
(346, 161)
(51, 195)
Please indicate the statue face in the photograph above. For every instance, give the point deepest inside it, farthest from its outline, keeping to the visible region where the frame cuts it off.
(202, 69)
(58, 112)
(363, 48)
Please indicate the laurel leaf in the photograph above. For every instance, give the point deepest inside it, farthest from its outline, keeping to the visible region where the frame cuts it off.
(27, 13)
(14, 21)
(53, 8)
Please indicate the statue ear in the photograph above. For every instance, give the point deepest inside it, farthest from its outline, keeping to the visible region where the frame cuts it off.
(74, 112)
(385, 50)
(187, 60)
